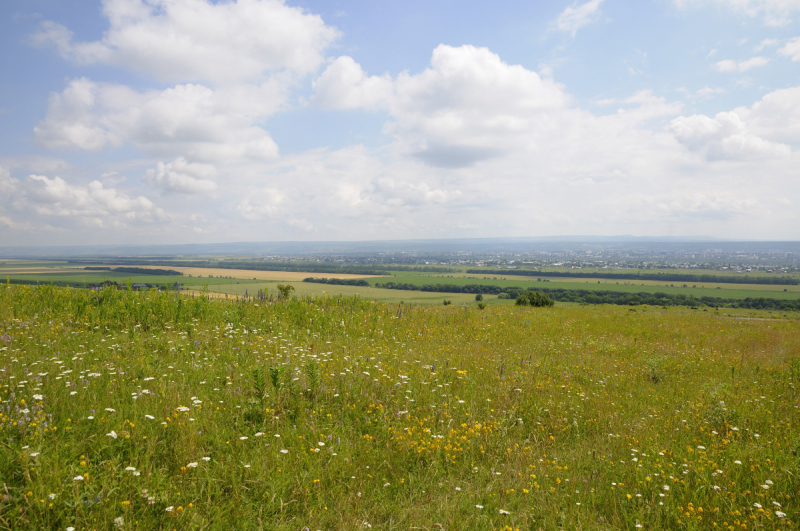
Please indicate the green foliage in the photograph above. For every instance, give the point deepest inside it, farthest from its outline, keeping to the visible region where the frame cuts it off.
(275, 373)
(285, 290)
(479, 297)
(339, 281)
(535, 299)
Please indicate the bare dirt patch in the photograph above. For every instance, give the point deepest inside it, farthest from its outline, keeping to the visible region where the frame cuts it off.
(251, 274)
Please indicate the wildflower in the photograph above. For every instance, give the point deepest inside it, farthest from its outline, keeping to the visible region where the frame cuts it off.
(242, 438)
(284, 451)
(738, 462)
(768, 482)
(259, 434)
(119, 522)
(77, 478)
(130, 468)
(169, 509)
(113, 434)
(757, 505)
(34, 454)
(51, 496)
(780, 514)
(206, 459)
(192, 465)
(111, 410)
(182, 408)
(776, 504)
(321, 443)
(479, 506)
(666, 487)
(503, 511)
(151, 417)
(38, 397)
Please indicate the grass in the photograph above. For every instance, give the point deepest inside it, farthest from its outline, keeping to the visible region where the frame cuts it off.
(150, 410)
(733, 291)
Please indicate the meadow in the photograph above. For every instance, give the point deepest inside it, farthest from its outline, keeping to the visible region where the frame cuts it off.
(157, 410)
(733, 291)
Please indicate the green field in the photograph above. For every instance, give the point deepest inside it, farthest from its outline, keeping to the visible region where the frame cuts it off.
(149, 410)
(47, 272)
(733, 291)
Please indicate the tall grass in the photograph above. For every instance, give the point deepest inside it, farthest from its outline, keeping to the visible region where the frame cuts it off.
(148, 410)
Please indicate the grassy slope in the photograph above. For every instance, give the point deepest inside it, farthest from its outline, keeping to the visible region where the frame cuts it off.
(571, 417)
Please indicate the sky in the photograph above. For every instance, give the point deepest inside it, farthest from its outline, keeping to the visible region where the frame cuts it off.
(195, 121)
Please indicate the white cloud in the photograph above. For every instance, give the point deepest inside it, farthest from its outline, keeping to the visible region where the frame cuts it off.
(7, 183)
(776, 117)
(180, 176)
(94, 202)
(11, 225)
(187, 120)
(577, 16)
(344, 85)
(765, 43)
(471, 106)
(705, 92)
(742, 66)
(724, 137)
(792, 49)
(197, 40)
(775, 12)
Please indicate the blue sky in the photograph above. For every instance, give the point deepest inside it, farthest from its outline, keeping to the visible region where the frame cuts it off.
(176, 121)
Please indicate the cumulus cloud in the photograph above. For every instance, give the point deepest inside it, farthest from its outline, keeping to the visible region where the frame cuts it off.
(792, 49)
(180, 176)
(94, 203)
(186, 120)
(199, 40)
(577, 16)
(724, 137)
(470, 106)
(344, 85)
(742, 66)
(776, 117)
(7, 183)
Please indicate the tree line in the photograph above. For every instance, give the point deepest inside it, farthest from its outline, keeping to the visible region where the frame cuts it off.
(662, 277)
(605, 297)
(339, 281)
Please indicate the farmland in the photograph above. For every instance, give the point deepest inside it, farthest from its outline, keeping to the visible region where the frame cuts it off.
(238, 282)
(158, 410)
